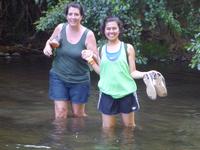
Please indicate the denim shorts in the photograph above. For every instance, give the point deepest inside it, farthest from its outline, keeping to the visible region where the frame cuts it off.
(110, 106)
(60, 90)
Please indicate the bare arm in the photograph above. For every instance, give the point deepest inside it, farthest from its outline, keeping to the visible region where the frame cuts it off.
(56, 31)
(92, 45)
(96, 67)
(47, 49)
(132, 66)
(88, 56)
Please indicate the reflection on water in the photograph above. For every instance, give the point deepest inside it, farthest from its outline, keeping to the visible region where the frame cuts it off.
(26, 114)
(119, 139)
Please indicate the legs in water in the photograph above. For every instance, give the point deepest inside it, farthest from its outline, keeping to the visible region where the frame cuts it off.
(78, 110)
(61, 109)
(129, 119)
(109, 121)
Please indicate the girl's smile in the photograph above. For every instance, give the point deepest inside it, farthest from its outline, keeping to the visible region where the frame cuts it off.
(112, 30)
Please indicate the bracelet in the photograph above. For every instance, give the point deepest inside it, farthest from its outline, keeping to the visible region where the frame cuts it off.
(91, 61)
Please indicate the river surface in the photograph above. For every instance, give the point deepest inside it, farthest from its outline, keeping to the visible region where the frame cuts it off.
(27, 119)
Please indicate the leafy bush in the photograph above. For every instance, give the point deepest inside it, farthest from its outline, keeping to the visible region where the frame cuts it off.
(52, 17)
(154, 50)
(156, 10)
(194, 47)
(135, 15)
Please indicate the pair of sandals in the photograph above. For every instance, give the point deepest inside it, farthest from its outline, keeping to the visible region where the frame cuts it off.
(155, 85)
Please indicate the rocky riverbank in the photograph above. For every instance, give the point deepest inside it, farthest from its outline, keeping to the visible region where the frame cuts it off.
(8, 51)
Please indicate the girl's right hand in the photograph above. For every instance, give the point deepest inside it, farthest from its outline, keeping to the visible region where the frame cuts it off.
(87, 54)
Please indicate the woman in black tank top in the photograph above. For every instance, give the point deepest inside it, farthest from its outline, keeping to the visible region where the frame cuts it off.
(69, 77)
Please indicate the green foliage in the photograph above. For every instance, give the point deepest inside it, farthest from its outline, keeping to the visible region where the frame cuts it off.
(127, 11)
(40, 2)
(100, 9)
(193, 22)
(53, 16)
(194, 47)
(135, 15)
(188, 12)
(95, 12)
(156, 9)
(154, 50)
(168, 19)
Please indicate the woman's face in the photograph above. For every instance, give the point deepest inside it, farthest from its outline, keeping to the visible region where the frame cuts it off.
(112, 30)
(73, 16)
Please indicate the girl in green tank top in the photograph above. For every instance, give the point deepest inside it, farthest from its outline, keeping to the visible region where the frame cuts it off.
(115, 78)
(117, 72)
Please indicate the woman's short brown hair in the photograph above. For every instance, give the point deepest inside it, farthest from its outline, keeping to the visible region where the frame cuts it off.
(75, 5)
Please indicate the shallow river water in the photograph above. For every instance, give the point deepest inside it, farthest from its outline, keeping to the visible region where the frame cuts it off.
(27, 120)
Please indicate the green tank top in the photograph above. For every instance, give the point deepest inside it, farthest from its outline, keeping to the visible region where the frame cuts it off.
(115, 79)
(67, 63)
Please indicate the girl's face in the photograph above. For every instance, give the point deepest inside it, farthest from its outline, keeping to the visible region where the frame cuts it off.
(112, 30)
(73, 16)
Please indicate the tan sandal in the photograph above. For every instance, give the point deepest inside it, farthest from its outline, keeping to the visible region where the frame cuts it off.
(160, 86)
(150, 89)
(54, 43)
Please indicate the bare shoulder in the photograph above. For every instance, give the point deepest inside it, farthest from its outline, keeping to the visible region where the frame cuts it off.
(130, 48)
(90, 33)
(90, 36)
(90, 41)
(56, 31)
(59, 26)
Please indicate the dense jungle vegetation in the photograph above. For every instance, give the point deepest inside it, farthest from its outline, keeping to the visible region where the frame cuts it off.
(165, 30)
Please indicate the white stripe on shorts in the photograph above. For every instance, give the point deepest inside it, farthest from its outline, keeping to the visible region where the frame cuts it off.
(100, 93)
(136, 99)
